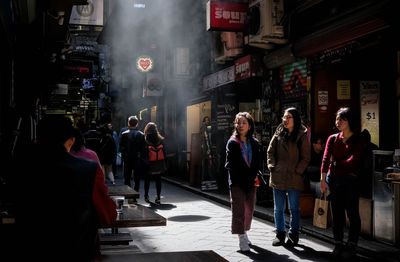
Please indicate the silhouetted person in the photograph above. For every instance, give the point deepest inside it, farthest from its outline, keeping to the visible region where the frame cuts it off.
(366, 165)
(63, 199)
(132, 146)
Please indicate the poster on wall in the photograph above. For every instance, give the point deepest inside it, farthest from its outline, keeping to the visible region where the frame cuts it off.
(369, 102)
(323, 99)
(343, 89)
(294, 80)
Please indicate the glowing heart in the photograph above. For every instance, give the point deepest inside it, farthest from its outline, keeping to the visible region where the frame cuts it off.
(144, 63)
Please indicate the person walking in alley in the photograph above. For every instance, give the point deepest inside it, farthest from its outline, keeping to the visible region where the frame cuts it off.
(107, 153)
(63, 198)
(338, 171)
(288, 155)
(156, 160)
(132, 147)
(243, 160)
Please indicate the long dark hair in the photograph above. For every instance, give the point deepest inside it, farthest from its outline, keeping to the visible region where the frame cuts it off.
(296, 120)
(152, 135)
(284, 132)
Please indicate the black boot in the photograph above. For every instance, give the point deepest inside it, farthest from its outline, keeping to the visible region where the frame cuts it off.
(279, 240)
(293, 239)
(337, 251)
(349, 252)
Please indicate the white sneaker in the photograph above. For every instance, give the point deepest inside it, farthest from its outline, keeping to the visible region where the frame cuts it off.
(243, 243)
(247, 238)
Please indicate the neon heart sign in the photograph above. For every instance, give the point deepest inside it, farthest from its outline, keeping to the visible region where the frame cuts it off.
(144, 63)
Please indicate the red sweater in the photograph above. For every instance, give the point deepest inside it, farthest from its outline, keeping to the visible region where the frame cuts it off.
(347, 155)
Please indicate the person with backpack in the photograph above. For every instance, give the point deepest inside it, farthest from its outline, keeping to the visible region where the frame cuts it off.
(156, 160)
(340, 164)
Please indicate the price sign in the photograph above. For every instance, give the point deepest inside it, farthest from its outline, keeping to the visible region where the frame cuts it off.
(369, 101)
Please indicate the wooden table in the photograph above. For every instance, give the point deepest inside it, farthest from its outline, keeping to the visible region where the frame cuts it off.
(192, 256)
(122, 190)
(132, 216)
(136, 215)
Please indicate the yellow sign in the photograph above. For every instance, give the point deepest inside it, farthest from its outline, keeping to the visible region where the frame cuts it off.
(343, 89)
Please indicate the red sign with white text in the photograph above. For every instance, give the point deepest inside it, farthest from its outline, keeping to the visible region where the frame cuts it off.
(225, 16)
(246, 67)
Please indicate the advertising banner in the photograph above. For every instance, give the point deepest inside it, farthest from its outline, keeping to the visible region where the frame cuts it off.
(226, 16)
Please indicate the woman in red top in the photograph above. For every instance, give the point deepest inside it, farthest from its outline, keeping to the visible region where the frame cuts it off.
(339, 165)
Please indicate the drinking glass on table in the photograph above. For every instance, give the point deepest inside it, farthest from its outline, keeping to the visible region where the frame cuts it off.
(119, 201)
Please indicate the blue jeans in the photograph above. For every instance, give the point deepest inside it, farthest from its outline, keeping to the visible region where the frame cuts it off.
(280, 206)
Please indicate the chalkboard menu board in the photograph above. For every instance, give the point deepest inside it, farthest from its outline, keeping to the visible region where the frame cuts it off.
(226, 111)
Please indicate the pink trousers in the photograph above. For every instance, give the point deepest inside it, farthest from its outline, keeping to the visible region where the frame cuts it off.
(242, 206)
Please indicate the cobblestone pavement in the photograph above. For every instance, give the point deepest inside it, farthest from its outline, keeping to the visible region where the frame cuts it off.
(197, 223)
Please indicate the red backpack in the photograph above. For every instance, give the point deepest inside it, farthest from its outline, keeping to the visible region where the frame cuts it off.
(156, 153)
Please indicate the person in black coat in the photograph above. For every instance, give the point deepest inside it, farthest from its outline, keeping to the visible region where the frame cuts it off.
(62, 200)
(243, 160)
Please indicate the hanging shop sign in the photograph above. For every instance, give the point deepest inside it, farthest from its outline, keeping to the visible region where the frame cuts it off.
(219, 78)
(90, 14)
(246, 67)
(226, 16)
(144, 64)
(369, 102)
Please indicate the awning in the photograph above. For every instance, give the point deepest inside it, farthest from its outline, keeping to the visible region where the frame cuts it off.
(362, 23)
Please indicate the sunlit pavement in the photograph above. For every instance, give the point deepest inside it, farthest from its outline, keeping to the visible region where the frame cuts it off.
(197, 223)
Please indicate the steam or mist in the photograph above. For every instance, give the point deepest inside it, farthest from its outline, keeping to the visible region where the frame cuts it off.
(156, 30)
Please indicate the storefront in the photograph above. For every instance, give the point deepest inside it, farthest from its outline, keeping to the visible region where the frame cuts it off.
(353, 62)
(231, 90)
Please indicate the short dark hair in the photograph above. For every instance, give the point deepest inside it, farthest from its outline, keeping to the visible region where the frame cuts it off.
(347, 114)
(55, 129)
(133, 121)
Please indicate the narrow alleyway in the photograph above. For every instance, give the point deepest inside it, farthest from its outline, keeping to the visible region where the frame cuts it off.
(196, 223)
